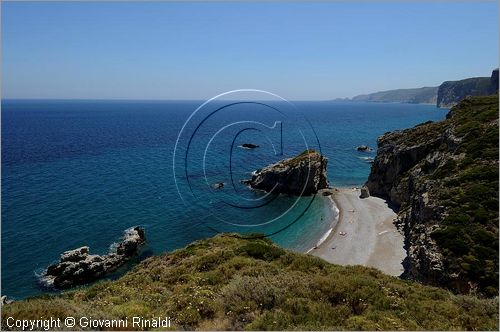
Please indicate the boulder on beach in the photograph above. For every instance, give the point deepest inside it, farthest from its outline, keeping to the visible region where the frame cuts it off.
(364, 192)
(304, 174)
(78, 266)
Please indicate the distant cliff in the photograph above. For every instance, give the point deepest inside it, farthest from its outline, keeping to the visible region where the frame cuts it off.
(446, 95)
(444, 177)
(451, 92)
(425, 95)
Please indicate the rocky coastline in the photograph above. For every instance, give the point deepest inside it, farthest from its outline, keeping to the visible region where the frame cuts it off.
(444, 178)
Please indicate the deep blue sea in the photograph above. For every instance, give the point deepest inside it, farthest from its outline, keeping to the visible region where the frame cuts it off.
(79, 173)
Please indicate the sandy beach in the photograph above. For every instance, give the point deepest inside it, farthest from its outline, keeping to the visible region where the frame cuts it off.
(364, 234)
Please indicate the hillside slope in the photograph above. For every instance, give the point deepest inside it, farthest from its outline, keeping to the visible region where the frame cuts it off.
(425, 95)
(228, 282)
(444, 176)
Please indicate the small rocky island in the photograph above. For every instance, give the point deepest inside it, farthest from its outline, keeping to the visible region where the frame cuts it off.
(304, 174)
(364, 148)
(78, 266)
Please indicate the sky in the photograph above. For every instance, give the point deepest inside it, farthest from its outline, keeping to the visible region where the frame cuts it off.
(300, 51)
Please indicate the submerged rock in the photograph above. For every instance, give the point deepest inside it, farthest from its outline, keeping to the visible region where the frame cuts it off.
(218, 185)
(249, 146)
(78, 266)
(304, 174)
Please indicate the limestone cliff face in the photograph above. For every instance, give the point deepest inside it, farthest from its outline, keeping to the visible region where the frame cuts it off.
(451, 92)
(304, 174)
(436, 172)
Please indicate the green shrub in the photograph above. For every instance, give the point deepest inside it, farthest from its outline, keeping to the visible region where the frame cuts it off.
(252, 284)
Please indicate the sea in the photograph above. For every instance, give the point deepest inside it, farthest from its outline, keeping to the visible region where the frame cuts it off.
(80, 172)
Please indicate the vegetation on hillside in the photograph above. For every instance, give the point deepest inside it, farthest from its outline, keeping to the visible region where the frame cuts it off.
(229, 282)
(469, 188)
(306, 155)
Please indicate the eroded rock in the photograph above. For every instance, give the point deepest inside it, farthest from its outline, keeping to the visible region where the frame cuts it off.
(78, 266)
(364, 192)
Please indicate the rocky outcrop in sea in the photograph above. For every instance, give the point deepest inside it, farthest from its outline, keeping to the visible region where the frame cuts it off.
(78, 266)
(304, 174)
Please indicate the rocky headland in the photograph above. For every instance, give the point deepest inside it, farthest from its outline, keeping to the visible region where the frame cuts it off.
(78, 266)
(304, 174)
(444, 178)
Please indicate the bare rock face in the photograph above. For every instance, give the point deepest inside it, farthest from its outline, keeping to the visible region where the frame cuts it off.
(78, 266)
(304, 174)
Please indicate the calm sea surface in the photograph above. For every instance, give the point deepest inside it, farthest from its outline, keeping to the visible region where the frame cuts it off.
(79, 173)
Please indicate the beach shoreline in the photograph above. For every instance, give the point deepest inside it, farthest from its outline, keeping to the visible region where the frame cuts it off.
(363, 233)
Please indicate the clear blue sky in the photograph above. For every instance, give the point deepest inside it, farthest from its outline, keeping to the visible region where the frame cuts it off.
(195, 51)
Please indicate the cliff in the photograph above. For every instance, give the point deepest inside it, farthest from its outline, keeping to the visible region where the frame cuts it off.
(446, 95)
(425, 95)
(233, 283)
(304, 174)
(444, 177)
(451, 92)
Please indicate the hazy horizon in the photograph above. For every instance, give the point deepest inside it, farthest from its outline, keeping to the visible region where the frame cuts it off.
(194, 51)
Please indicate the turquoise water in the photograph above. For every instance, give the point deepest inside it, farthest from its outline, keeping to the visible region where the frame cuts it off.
(80, 172)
